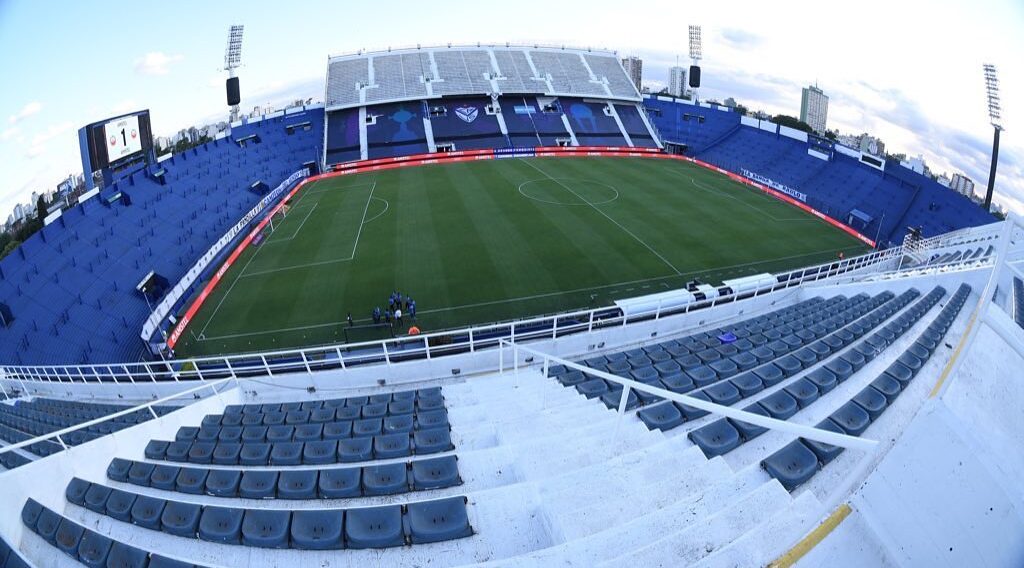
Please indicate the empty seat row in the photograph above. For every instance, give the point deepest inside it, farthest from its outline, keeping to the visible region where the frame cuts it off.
(10, 557)
(317, 452)
(726, 434)
(798, 461)
(326, 483)
(664, 366)
(427, 399)
(397, 410)
(668, 415)
(315, 529)
(86, 546)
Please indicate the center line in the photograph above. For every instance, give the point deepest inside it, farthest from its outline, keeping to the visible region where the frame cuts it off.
(606, 216)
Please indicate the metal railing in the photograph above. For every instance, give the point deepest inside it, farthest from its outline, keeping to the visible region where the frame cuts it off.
(871, 448)
(148, 405)
(426, 346)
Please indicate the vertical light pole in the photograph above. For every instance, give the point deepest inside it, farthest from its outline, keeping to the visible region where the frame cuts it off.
(233, 60)
(695, 57)
(995, 119)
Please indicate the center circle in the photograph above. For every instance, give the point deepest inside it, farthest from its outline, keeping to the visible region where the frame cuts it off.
(568, 191)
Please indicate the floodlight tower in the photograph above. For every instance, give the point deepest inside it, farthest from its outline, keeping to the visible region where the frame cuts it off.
(233, 60)
(995, 119)
(695, 56)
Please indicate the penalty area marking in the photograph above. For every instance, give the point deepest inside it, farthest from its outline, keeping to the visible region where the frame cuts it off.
(351, 256)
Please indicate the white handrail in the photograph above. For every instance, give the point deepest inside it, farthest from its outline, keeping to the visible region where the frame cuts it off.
(809, 432)
(147, 405)
(356, 352)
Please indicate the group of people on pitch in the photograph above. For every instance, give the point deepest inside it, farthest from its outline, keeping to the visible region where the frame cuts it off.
(396, 303)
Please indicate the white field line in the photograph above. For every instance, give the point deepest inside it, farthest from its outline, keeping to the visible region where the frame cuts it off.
(716, 191)
(332, 261)
(297, 230)
(606, 216)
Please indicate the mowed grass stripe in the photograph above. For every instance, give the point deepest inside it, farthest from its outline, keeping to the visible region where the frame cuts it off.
(471, 248)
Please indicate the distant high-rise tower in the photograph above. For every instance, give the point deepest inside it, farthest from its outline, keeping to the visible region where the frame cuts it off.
(814, 108)
(634, 67)
(677, 81)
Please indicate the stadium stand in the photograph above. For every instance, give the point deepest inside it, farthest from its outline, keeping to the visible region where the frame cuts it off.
(71, 287)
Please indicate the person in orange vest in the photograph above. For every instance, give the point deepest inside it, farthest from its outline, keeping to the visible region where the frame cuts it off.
(414, 330)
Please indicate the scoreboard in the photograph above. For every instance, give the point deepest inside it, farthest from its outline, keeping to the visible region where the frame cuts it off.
(122, 137)
(115, 145)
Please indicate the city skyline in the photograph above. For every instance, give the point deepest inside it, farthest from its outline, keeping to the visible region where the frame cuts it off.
(60, 88)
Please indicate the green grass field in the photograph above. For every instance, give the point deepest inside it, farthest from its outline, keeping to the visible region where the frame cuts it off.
(487, 241)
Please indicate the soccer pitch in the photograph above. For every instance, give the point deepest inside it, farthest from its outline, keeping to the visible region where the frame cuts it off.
(478, 242)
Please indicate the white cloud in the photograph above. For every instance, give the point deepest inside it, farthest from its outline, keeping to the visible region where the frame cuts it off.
(38, 147)
(124, 107)
(26, 111)
(9, 133)
(156, 63)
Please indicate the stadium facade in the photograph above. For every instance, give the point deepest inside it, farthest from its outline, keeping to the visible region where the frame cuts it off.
(859, 412)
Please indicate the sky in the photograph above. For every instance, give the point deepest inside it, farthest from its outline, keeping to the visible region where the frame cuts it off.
(908, 72)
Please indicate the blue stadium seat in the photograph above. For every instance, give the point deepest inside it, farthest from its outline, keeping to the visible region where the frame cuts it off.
(257, 484)
(191, 480)
(96, 498)
(374, 527)
(337, 430)
(297, 484)
(872, 401)
(435, 473)
(792, 465)
(853, 419)
(386, 479)
(803, 391)
(181, 519)
(125, 556)
(146, 512)
(164, 477)
(94, 550)
(825, 452)
(724, 393)
(436, 521)
(221, 524)
(355, 449)
(690, 412)
(223, 482)
(716, 438)
(779, 405)
(119, 505)
(265, 528)
(76, 490)
(118, 469)
(339, 483)
(747, 430)
(317, 530)
(391, 446)
(68, 536)
(432, 441)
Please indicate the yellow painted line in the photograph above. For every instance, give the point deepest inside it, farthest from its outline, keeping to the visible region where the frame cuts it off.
(813, 538)
(956, 355)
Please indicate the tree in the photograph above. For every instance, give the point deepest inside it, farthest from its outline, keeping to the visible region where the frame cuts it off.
(742, 109)
(9, 248)
(831, 135)
(792, 122)
(41, 208)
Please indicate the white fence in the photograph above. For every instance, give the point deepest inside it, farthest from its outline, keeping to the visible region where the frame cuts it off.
(420, 347)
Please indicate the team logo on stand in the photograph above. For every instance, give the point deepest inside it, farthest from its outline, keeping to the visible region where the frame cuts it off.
(113, 140)
(467, 113)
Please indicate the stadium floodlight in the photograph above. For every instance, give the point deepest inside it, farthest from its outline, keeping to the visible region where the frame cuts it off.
(233, 53)
(695, 55)
(995, 119)
(695, 45)
(232, 60)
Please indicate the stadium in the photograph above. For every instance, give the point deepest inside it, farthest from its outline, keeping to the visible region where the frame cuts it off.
(492, 304)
